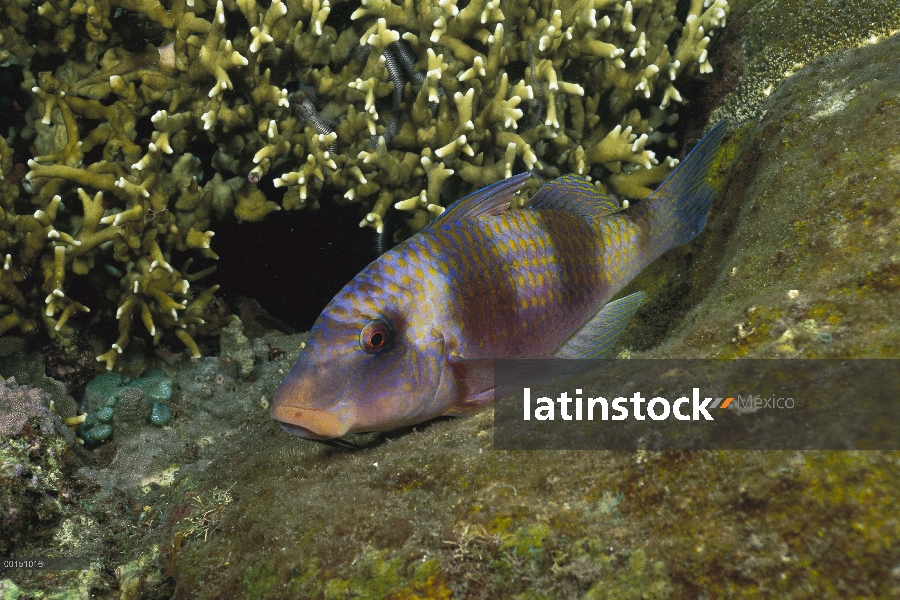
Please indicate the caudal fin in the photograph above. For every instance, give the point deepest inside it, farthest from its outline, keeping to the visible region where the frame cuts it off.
(684, 198)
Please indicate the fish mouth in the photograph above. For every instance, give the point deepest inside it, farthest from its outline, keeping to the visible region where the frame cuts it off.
(300, 431)
(316, 424)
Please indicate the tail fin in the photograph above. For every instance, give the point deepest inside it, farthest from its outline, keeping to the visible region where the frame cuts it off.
(684, 198)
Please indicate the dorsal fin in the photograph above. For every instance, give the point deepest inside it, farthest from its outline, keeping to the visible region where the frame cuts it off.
(573, 194)
(595, 339)
(486, 202)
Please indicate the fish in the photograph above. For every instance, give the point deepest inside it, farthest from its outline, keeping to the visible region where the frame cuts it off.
(414, 335)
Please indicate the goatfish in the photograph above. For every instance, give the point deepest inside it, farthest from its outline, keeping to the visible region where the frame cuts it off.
(414, 335)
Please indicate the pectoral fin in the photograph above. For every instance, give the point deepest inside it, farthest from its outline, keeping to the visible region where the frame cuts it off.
(597, 337)
(476, 379)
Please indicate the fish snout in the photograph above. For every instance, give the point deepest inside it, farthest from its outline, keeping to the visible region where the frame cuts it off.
(312, 424)
(291, 409)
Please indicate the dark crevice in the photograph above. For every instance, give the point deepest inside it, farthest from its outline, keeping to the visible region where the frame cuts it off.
(292, 263)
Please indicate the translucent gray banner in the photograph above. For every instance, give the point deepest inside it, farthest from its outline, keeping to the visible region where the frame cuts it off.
(545, 404)
(45, 563)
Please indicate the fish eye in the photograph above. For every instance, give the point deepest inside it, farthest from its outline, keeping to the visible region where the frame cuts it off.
(375, 337)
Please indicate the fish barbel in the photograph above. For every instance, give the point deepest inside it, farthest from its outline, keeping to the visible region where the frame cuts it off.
(414, 335)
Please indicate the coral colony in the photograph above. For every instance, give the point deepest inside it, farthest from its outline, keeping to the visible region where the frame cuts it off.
(383, 104)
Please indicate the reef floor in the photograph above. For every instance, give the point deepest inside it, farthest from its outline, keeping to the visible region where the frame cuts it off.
(799, 260)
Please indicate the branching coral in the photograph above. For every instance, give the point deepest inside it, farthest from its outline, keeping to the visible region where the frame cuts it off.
(382, 102)
(468, 111)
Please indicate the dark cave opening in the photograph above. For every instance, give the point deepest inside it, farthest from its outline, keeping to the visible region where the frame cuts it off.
(293, 262)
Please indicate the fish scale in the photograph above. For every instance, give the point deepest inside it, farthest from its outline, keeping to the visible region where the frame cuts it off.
(414, 335)
(497, 288)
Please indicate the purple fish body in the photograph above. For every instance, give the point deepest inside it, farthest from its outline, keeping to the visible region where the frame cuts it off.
(413, 336)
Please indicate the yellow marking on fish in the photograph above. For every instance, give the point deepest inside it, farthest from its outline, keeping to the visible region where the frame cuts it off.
(470, 237)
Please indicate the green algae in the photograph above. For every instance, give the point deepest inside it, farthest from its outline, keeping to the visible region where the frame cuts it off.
(374, 578)
(260, 581)
(528, 541)
(636, 578)
(9, 590)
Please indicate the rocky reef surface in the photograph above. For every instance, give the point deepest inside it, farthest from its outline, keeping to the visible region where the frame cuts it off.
(799, 259)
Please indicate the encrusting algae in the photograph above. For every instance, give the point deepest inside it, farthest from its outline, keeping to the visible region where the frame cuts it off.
(136, 149)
